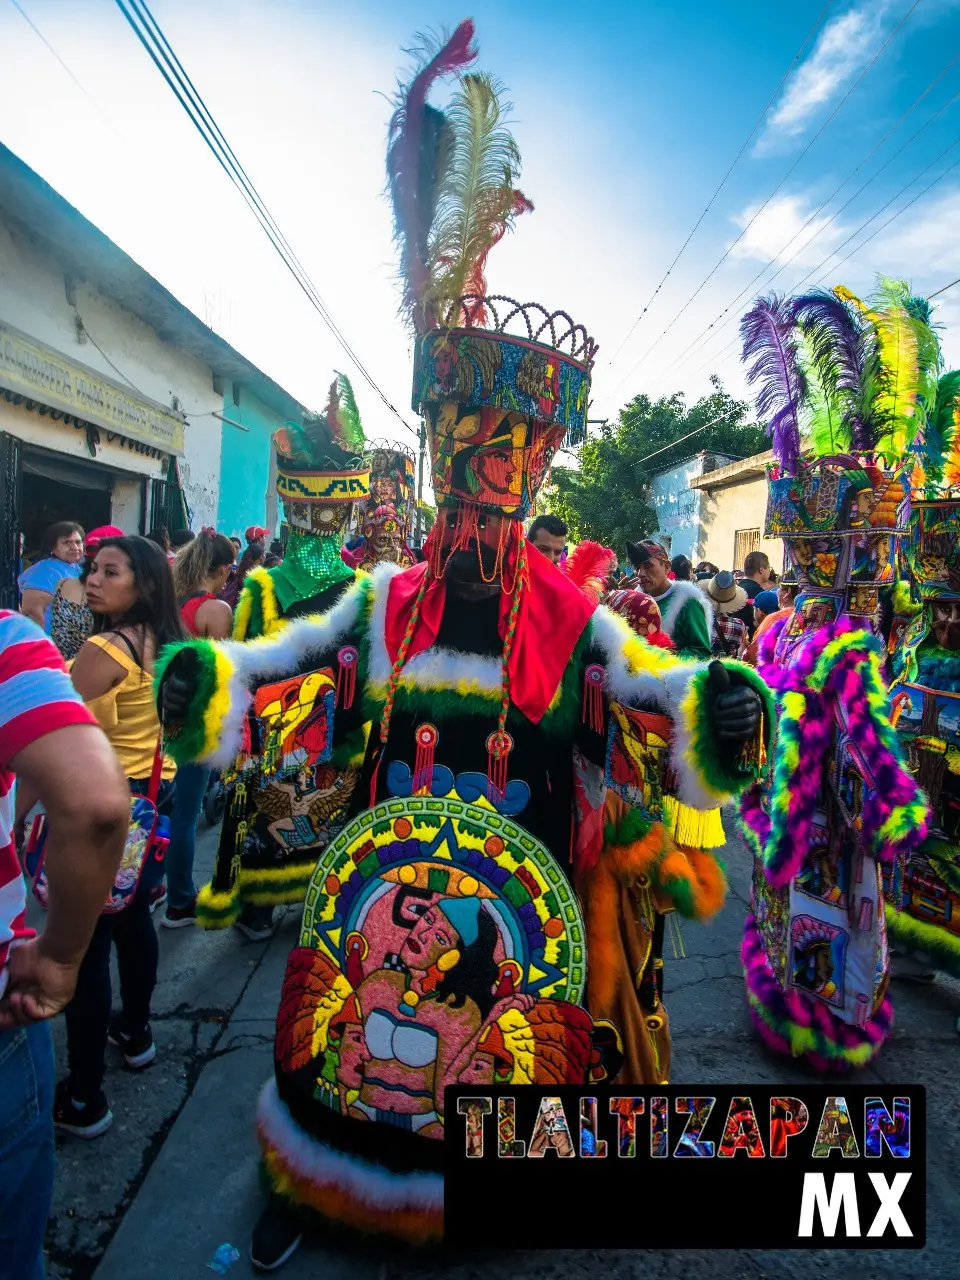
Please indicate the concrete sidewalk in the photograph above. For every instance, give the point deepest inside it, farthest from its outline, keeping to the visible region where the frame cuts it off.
(193, 1179)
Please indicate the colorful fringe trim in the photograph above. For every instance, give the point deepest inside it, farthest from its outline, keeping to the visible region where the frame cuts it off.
(801, 1026)
(344, 1189)
(260, 887)
(696, 828)
(693, 880)
(919, 935)
(839, 666)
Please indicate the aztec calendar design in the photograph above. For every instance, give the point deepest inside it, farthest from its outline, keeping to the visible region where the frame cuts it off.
(407, 855)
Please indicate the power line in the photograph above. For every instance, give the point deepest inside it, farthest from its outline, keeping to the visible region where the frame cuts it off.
(161, 53)
(723, 182)
(929, 187)
(757, 212)
(704, 333)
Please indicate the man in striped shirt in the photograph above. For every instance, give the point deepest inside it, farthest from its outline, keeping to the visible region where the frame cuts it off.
(56, 751)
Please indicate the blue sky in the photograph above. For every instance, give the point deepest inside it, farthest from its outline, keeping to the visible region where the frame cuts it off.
(627, 117)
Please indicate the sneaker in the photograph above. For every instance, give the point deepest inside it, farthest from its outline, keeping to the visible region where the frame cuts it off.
(138, 1049)
(158, 896)
(180, 917)
(276, 1238)
(255, 923)
(88, 1120)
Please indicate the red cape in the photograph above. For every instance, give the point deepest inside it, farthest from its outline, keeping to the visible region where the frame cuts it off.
(553, 616)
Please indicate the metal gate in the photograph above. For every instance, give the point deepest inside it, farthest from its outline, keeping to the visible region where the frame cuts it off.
(11, 460)
(167, 507)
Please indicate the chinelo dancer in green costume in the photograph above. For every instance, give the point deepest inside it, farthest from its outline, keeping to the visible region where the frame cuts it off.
(525, 744)
(278, 821)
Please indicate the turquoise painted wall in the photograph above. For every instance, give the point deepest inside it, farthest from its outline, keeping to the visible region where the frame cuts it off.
(247, 495)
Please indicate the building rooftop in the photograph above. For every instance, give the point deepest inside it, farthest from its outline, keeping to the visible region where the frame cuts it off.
(45, 219)
(734, 472)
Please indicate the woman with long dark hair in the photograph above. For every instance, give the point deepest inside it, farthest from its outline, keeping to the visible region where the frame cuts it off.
(200, 573)
(130, 591)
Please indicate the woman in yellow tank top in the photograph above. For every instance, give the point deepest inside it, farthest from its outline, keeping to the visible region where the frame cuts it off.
(130, 591)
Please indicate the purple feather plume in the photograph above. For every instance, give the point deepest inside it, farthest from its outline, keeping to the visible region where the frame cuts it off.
(839, 345)
(767, 332)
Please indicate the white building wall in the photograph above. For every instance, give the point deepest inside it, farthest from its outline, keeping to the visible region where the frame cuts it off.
(33, 298)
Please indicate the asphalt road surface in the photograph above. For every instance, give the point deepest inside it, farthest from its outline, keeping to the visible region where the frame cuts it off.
(176, 1175)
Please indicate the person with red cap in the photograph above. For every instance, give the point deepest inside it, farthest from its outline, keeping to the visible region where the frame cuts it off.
(71, 620)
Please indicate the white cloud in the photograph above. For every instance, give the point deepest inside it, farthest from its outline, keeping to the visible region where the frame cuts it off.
(844, 48)
(786, 231)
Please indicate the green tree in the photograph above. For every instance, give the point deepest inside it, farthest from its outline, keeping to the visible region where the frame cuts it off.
(607, 498)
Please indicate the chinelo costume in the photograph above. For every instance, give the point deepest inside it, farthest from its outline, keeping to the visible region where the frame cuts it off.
(523, 744)
(844, 390)
(388, 516)
(288, 786)
(686, 612)
(923, 889)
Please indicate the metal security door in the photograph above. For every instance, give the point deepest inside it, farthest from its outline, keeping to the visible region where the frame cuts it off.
(11, 471)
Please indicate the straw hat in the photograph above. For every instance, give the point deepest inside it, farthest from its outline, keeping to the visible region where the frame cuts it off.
(723, 592)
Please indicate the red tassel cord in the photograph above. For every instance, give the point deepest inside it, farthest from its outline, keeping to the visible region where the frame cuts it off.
(346, 676)
(499, 746)
(591, 712)
(426, 737)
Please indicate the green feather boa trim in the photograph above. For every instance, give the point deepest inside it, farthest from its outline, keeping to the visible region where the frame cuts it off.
(702, 751)
(186, 743)
(921, 935)
(633, 826)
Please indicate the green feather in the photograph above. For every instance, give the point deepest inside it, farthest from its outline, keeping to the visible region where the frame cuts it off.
(349, 415)
(824, 428)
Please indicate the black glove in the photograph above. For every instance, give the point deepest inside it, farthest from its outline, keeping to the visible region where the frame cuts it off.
(735, 709)
(178, 689)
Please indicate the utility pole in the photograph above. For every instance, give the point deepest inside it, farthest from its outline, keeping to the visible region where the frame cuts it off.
(423, 450)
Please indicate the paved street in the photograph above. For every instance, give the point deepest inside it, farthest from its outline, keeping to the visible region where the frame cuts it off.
(177, 1174)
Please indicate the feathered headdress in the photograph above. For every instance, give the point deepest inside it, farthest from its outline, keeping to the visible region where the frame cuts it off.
(840, 375)
(589, 566)
(452, 181)
(332, 439)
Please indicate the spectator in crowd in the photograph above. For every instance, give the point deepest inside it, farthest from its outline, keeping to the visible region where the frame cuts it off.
(766, 606)
(756, 578)
(62, 555)
(682, 569)
(727, 598)
(237, 548)
(199, 575)
(253, 556)
(705, 570)
(179, 538)
(786, 595)
(130, 590)
(549, 535)
(161, 537)
(71, 620)
(685, 613)
(62, 760)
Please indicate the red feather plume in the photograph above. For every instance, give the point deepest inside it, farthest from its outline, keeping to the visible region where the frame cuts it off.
(589, 566)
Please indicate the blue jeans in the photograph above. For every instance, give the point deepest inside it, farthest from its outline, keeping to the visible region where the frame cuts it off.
(191, 787)
(26, 1149)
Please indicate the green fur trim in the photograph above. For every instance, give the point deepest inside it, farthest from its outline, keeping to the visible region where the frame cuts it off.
(921, 935)
(633, 826)
(255, 629)
(703, 751)
(943, 859)
(680, 892)
(217, 910)
(186, 742)
(253, 887)
(352, 750)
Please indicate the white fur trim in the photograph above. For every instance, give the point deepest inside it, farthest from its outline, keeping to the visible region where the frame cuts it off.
(682, 593)
(380, 665)
(436, 669)
(663, 692)
(325, 1166)
(276, 656)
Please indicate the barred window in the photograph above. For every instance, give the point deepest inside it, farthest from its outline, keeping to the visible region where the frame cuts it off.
(745, 541)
